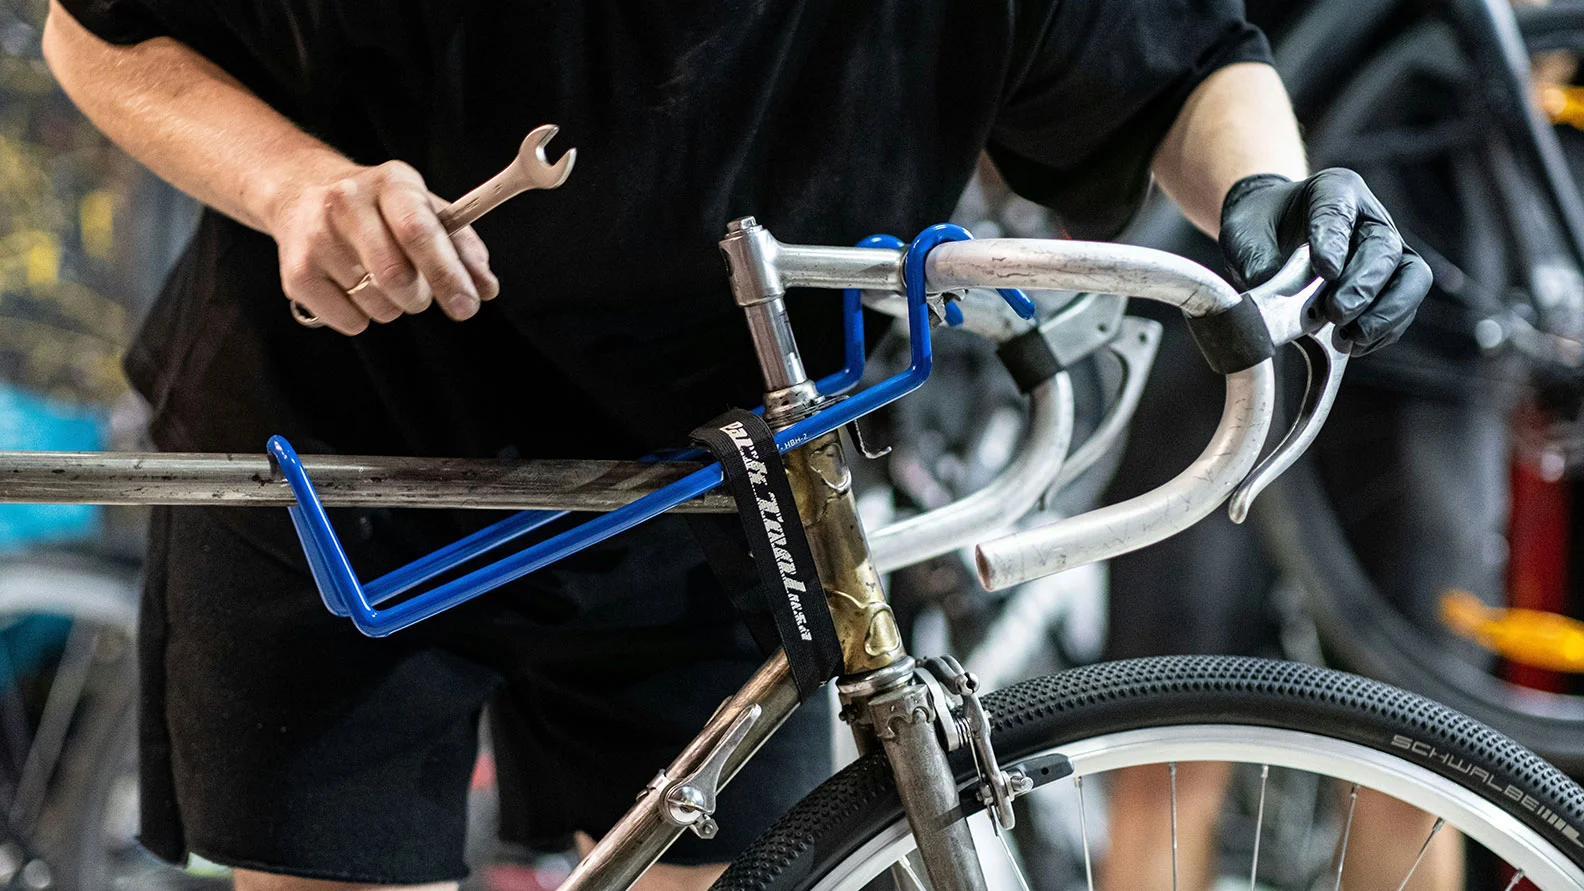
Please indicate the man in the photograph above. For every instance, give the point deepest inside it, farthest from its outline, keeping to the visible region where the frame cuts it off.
(320, 133)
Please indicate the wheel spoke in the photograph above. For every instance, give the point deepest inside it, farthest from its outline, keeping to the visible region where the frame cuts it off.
(1173, 770)
(65, 692)
(1017, 869)
(1440, 821)
(1517, 877)
(1347, 832)
(1259, 823)
(1083, 829)
(1281, 755)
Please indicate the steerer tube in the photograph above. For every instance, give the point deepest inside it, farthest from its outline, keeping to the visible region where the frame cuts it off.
(817, 470)
(756, 284)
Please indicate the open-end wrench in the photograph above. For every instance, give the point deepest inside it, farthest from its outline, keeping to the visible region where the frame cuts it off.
(529, 170)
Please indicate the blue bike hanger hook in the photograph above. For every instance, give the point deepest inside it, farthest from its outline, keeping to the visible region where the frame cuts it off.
(940, 233)
(345, 595)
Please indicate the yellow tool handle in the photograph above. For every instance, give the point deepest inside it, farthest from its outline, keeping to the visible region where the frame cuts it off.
(1530, 637)
(1563, 105)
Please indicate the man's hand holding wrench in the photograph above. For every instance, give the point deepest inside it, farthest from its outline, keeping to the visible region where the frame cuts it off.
(372, 243)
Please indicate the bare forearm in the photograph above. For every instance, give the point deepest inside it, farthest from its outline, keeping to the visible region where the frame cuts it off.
(188, 120)
(356, 243)
(1238, 122)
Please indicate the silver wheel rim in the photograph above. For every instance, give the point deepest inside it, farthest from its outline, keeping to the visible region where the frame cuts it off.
(1522, 847)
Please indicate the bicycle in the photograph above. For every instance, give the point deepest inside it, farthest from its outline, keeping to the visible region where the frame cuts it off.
(934, 748)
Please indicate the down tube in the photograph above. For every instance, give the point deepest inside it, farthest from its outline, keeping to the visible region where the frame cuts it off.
(644, 833)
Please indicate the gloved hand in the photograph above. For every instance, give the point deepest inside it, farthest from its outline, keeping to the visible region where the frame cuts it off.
(1377, 282)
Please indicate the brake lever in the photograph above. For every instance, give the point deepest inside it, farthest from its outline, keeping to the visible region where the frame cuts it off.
(1289, 304)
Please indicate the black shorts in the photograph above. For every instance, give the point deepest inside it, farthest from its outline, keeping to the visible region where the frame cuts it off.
(275, 737)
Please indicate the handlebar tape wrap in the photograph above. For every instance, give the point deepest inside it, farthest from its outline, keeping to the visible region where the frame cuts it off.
(1029, 359)
(1234, 339)
(778, 556)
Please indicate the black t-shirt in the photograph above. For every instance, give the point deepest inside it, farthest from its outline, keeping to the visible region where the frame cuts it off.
(614, 333)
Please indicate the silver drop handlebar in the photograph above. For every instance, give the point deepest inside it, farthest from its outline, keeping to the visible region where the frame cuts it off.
(1042, 465)
(1226, 467)
(1087, 324)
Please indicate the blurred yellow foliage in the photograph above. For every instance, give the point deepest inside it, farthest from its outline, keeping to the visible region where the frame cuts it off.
(29, 257)
(26, 196)
(64, 314)
(96, 220)
(43, 264)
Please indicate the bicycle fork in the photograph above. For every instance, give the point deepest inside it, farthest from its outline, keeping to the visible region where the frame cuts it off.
(883, 697)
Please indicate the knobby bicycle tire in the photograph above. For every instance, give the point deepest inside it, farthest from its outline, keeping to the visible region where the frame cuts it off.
(815, 840)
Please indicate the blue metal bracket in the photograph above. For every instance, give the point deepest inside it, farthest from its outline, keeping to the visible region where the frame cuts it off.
(345, 595)
(853, 329)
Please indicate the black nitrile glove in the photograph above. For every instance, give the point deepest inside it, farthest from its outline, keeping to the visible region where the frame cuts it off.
(1377, 282)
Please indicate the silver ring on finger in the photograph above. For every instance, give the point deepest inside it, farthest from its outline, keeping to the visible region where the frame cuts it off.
(305, 316)
(367, 281)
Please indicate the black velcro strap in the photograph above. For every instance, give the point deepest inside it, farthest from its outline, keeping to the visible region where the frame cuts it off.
(725, 546)
(1233, 339)
(788, 581)
(1029, 359)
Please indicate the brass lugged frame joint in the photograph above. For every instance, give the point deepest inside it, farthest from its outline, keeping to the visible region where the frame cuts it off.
(822, 485)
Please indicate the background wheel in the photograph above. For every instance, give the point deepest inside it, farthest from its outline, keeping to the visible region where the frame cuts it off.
(1373, 544)
(68, 762)
(1434, 162)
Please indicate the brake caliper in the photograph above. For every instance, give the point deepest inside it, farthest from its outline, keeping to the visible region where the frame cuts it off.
(963, 721)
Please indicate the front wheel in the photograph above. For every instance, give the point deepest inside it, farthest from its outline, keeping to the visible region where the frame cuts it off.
(1284, 716)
